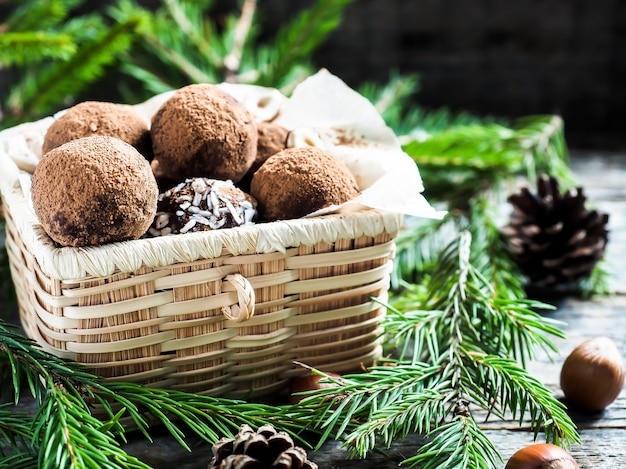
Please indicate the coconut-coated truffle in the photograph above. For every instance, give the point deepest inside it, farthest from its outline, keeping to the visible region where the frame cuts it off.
(202, 204)
(94, 190)
(99, 118)
(201, 131)
(297, 181)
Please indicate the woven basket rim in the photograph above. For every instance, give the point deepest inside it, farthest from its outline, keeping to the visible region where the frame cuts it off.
(70, 263)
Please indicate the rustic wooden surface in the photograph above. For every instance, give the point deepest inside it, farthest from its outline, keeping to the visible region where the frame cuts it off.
(603, 435)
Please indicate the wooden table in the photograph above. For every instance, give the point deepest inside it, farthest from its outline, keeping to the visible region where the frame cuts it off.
(603, 436)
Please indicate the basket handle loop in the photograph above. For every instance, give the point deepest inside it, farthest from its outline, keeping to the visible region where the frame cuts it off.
(245, 296)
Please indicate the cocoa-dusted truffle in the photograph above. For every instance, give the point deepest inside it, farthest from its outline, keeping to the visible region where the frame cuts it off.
(201, 204)
(94, 190)
(202, 131)
(272, 139)
(99, 118)
(298, 181)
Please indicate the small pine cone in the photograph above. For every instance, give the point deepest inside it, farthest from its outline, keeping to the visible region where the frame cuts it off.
(554, 239)
(264, 449)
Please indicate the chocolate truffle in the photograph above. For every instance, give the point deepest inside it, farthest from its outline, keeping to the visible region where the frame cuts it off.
(94, 190)
(202, 131)
(201, 204)
(99, 118)
(272, 139)
(297, 181)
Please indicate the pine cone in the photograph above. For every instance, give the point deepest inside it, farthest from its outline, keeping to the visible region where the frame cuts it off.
(264, 449)
(554, 239)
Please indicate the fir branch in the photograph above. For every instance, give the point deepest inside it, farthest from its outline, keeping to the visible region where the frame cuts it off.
(417, 246)
(479, 157)
(177, 47)
(68, 436)
(459, 443)
(28, 48)
(65, 78)
(524, 395)
(458, 344)
(542, 141)
(19, 461)
(297, 40)
(189, 17)
(507, 325)
(41, 16)
(389, 99)
(64, 433)
(15, 431)
(490, 255)
(598, 282)
(232, 61)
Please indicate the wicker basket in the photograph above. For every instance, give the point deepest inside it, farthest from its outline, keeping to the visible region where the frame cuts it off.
(225, 312)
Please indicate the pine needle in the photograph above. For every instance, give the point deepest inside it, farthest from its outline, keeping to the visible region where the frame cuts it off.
(63, 79)
(458, 346)
(296, 41)
(29, 48)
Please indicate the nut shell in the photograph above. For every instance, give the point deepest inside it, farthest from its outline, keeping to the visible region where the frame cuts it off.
(592, 376)
(94, 190)
(309, 382)
(541, 456)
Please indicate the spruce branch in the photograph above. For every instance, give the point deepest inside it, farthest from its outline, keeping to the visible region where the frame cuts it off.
(459, 346)
(297, 40)
(232, 60)
(28, 48)
(522, 394)
(479, 156)
(507, 325)
(69, 436)
(15, 432)
(459, 443)
(42, 16)
(65, 432)
(62, 79)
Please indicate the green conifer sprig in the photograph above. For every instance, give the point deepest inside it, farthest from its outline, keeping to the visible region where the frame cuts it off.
(19, 49)
(184, 44)
(459, 353)
(15, 431)
(56, 54)
(450, 444)
(40, 16)
(63, 79)
(64, 433)
(296, 41)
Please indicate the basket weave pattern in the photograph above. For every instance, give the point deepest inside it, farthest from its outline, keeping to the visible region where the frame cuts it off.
(230, 325)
